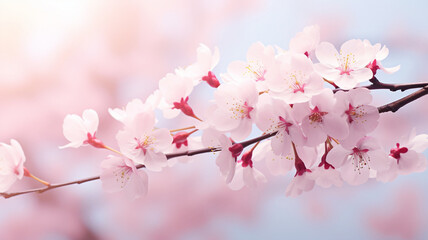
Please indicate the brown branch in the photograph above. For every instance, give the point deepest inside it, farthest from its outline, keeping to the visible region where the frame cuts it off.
(376, 84)
(168, 156)
(394, 106)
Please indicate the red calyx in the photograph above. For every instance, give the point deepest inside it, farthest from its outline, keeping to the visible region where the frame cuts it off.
(236, 150)
(180, 139)
(184, 107)
(93, 141)
(246, 159)
(373, 66)
(211, 79)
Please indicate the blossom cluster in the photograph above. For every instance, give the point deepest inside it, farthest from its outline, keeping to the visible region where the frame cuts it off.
(307, 100)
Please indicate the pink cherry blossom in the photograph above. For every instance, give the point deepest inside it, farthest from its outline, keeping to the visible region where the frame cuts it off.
(227, 158)
(259, 59)
(320, 119)
(299, 184)
(277, 164)
(121, 174)
(12, 160)
(346, 68)
(379, 55)
(175, 90)
(356, 163)
(135, 107)
(234, 109)
(246, 174)
(406, 157)
(81, 130)
(293, 79)
(305, 42)
(202, 68)
(142, 143)
(361, 117)
(274, 115)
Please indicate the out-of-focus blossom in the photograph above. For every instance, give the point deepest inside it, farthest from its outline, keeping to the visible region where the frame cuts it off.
(12, 160)
(305, 42)
(406, 157)
(226, 160)
(135, 107)
(259, 59)
(346, 68)
(81, 130)
(121, 174)
(246, 174)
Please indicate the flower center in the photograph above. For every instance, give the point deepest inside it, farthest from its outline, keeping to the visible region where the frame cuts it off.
(241, 111)
(296, 84)
(316, 115)
(284, 124)
(144, 144)
(346, 62)
(257, 70)
(354, 113)
(360, 159)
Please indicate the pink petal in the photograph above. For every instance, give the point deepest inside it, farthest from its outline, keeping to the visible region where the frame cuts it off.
(327, 54)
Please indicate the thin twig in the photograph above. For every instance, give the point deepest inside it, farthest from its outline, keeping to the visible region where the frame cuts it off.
(168, 156)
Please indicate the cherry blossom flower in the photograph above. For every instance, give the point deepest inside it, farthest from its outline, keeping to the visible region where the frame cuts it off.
(277, 164)
(293, 79)
(259, 59)
(246, 174)
(379, 55)
(305, 42)
(406, 157)
(320, 119)
(81, 130)
(227, 158)
(346, 68)
(202, 68)
(119, 173)
(274, 115)
(356, 163)
(142, 143)
(135, 107)
(325, 175)
(234, 109)
(12, 160)
(361, 117)
(299, 184)
(175, 91)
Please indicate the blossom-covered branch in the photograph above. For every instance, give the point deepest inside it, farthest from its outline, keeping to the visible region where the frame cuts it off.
(169, 156)
(324, 136)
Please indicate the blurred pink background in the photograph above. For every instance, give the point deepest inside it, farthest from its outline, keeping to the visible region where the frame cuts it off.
(61, 57)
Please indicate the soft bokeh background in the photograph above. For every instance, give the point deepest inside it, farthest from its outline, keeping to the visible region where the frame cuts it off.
(59, 57)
